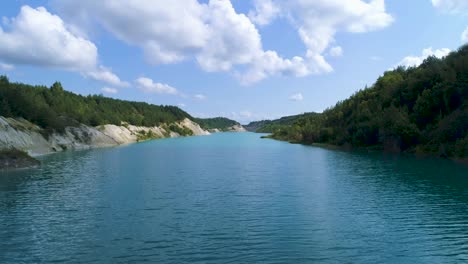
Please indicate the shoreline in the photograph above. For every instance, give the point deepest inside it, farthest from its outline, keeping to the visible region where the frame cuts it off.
(15, 159)
(21, 140)
(374, 149)
(11, 160)
(29, 159)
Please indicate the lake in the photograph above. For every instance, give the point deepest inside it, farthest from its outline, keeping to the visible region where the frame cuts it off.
(233, 198)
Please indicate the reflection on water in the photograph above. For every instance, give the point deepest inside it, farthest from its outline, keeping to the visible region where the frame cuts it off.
(234, 198)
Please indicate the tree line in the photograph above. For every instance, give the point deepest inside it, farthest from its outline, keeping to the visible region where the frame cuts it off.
(54, 108)
(416, 109)
(268, 126)
(221, 123)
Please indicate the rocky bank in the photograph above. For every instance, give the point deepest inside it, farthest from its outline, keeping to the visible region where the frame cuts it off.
(20, 134)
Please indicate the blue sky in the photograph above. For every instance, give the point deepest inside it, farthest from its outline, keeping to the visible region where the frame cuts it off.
(246, 60)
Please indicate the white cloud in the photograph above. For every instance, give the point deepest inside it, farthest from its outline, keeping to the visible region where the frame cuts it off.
(234, 40)
(269, 63)
(109, 90)
(265, 11)
(319, 21)
(148, 86)
(37, 37)
(244, 117)
(464, 36)
(245, 114)
(336, 51)
(106, 75)
(296, 97)
(166, 32)
(220, 39)
(6, 67)
(181, 105)
(451, 6)
(412, 61)
(199, 96)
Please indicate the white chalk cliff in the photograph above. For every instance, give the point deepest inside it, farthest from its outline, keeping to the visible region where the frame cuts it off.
(23, 135)
(237, 128)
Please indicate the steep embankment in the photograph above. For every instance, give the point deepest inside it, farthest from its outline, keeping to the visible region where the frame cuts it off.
(422, 110)
(236, 128)
(220, 124)
(40, 120)
(14, 159)
(20, 134)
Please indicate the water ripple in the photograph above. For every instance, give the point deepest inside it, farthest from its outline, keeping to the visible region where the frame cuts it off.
(233, 198)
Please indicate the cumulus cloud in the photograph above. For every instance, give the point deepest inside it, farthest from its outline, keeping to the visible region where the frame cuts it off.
(166, 32)
(265, 11)
(6, 67)
(336, 51)
(296, 97)
(270, 63)
(413, 61)
(37, 37)
(320, 20)
(106, 75)
(220, 39)
(317, 23)
(199, 97)
(147, 85)
(233, 39)
(451, 6)
(181, 105)
(464, 36)
(213, 33)
(109, 90)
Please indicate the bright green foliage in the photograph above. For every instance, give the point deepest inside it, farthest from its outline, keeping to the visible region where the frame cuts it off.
(421, 108)
(220, 123)
(270, 126)
(146, 135)
(55, 108)
(181, 131)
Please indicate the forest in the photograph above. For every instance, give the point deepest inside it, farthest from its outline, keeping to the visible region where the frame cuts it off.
(221, 123)
(268, 126)
(420, 109)
(53, 108)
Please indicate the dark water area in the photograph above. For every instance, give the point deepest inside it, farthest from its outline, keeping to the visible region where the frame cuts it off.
(233, 198)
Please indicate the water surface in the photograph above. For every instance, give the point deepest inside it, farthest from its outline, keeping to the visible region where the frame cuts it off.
(233, 198)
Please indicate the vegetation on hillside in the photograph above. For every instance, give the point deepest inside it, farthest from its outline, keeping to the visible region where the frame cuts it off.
(416, 109)
(269, 126)
(181, 131)
(54, 108)
(220, 123)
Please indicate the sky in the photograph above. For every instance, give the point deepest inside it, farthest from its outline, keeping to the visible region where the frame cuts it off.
(243, 59)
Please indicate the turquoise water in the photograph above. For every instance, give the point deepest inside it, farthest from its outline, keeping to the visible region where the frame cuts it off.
(233, 198)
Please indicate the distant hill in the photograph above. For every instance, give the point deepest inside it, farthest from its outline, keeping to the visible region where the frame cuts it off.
(269, 126)
(420, 109)
(256, 125)
(221, 123)
(54, 109)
